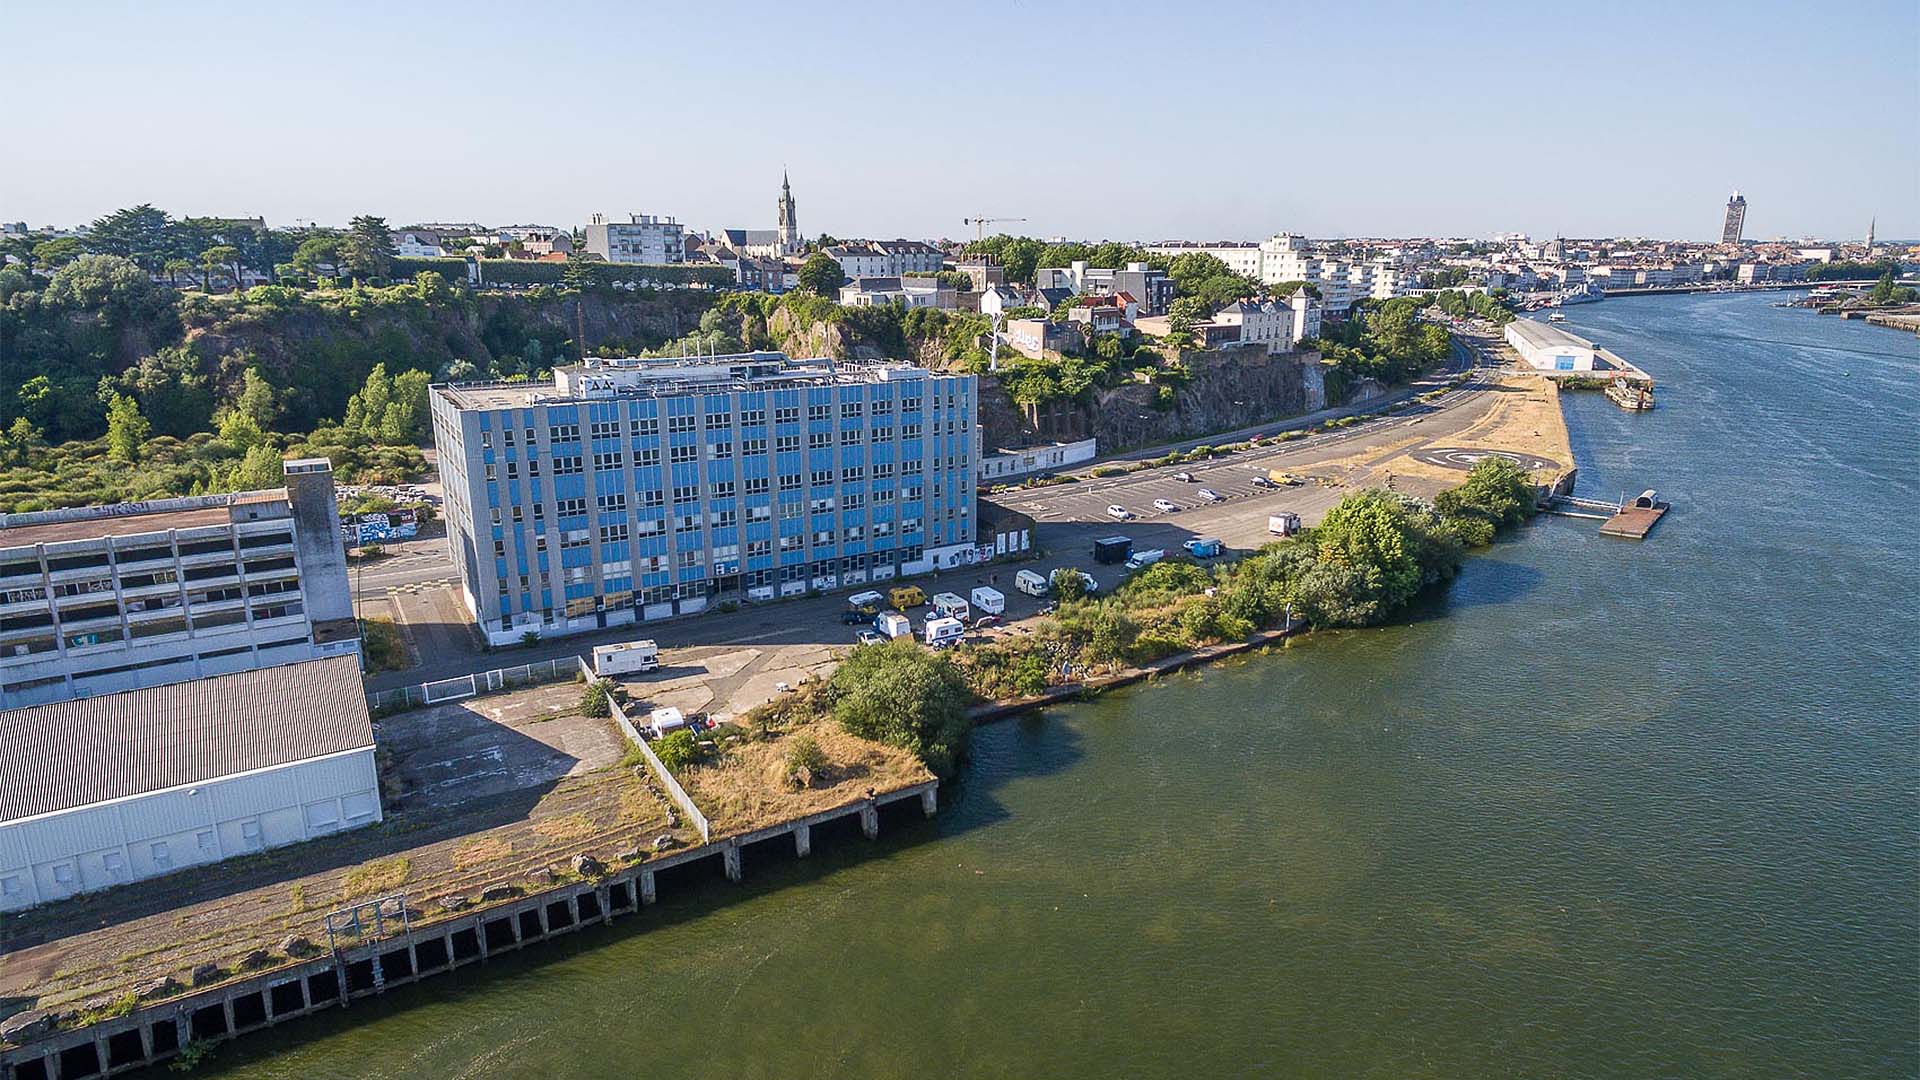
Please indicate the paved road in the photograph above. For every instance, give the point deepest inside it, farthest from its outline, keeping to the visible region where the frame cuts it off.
(1068, 516)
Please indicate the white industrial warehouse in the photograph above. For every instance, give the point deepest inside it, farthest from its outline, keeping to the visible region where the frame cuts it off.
(99, 791)
(1549, 348)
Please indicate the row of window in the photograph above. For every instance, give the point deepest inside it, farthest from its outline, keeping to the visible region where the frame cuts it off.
(714, 421)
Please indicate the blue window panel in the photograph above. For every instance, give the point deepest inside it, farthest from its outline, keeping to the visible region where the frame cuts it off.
(686, 474)
(499, 568)
(760, 562)
(726, 536)
(541, 562)
(570, 487)
(580, 592)
(486, 421)
(546, 598)
(882, 543)
(792, 558)
(506, 605)
(719, 470)
(618, 584)
(658, 577)
(760, 530)
(563, 414)
(613, 552)
(692, 573)
(653, 545)
(853, 548)
(789, 461)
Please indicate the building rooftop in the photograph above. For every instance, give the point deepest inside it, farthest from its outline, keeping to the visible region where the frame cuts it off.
(647, 377)
(131, 519)
(89, 750)
(1544, 336)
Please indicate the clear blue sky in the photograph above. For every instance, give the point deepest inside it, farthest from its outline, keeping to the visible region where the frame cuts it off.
(1106, 121)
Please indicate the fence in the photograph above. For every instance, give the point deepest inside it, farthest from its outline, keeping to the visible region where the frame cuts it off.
(480, 682)
(674, 790)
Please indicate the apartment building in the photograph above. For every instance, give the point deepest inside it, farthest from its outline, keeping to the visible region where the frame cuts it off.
(636, 489)
(96, 600)
(643, 239)
(1151, 288)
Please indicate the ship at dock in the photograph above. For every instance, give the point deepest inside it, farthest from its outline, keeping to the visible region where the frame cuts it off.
(1629, 394)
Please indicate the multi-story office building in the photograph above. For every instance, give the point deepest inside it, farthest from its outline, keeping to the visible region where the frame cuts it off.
(643, 239)
(638, 489)
(96, 600)
(1735, 222)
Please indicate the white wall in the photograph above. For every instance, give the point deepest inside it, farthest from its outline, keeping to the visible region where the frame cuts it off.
(54, 856)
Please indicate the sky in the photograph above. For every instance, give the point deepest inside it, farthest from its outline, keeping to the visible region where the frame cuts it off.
(1111, 121)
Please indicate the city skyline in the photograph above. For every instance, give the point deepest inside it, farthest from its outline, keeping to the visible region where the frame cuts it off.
(1421, 125)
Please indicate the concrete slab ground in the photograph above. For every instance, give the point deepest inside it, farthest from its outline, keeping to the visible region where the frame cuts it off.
(478, 748)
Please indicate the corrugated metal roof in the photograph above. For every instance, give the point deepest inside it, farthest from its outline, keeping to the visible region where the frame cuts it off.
(80, 752)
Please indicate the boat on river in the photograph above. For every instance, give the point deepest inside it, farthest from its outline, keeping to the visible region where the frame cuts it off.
(1629, 394)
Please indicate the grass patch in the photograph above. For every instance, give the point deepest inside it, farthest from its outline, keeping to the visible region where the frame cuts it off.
(297, 900)
(380, 876)
(380, 640)
(566, 827)
(485, 849)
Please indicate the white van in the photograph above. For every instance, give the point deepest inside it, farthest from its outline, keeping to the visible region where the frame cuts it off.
(943, 632)
(948, 605)
(664, 720)
(893, 624)
(625, 658)
(866, 600)
(989, 600)
(1030, 583)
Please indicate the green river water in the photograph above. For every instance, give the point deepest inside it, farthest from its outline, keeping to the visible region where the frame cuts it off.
(1605, 809)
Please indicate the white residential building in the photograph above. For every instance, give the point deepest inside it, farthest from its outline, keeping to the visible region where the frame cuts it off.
(1262, 324)
(413, 245)
(643, 239)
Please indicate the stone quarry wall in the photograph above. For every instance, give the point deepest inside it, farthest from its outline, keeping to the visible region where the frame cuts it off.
(1228, 389)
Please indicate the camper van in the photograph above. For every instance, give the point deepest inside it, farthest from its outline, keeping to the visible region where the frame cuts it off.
(989, 600)
(948, 605)
(893, 624)
(943, 632)
(625, 658)
(868, 602)
(1030, 583)
(1283, 524)
(662, 721)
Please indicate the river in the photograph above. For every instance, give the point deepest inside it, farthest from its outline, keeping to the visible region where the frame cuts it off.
(1605, 809)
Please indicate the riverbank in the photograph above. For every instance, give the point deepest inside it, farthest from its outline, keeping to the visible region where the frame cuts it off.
(141, 971)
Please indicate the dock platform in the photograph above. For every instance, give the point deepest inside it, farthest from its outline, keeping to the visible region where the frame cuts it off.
(1633, 521)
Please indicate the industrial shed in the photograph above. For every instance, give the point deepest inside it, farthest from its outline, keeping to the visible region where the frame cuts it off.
(97, 792)
(1549, 348)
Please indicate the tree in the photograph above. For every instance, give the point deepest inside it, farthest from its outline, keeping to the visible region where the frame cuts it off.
(431, 287)
(106, 285)
(261, 467)
(581, 273)
(1067, 583)
(19, 441)
(366, 251)
(821, 275)
(1497, 491)
(1883, 289)
(171, 390)
(138, 233)
(127, 430)
(318, 256)
(58, 252)
(224, 256)
(905, 696)
(256, 399)
(175, 267)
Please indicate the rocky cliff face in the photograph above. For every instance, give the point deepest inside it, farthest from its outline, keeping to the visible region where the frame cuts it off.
(1229, 389)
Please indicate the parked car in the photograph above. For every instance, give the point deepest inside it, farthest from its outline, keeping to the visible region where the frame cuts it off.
(1184, 477)
(1263, 482)
(869, 637)
(1115, 510)
(1165, 506)
(1210, 495)
(856, 617)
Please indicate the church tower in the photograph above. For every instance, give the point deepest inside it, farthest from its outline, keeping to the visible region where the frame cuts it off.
(789, 228)
(1871, 222)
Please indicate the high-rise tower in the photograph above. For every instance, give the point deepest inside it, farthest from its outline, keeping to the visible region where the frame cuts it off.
(1736, 219)
(1871, 222)
(789, 226)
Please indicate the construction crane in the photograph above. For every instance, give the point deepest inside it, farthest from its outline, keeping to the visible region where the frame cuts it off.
(980, 224)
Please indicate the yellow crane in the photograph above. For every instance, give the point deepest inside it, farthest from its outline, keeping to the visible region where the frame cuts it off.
(980, 224)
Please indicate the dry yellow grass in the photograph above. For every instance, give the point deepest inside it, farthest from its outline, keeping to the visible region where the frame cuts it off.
(748, 788)
(566, 827)
(484, 850)
(380, 876)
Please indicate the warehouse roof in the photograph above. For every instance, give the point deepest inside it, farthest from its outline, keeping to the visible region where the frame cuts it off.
(1541, 335)
(88, 750)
